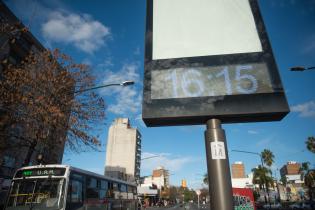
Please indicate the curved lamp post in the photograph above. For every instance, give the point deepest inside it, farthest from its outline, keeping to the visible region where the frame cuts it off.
(301, 68)
(124, 83)
(254, 153)
(153, 156)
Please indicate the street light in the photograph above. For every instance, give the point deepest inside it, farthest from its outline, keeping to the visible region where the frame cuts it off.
(124, 83)
(145, 158)
(254, 153)
(301, 68)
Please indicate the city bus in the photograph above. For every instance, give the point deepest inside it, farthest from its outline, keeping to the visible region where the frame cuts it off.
(65, 187)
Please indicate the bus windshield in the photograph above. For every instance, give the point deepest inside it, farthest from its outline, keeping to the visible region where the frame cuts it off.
(42, 193)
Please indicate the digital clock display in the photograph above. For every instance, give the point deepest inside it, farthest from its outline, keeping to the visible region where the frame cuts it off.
(209, 60)
(210, 81)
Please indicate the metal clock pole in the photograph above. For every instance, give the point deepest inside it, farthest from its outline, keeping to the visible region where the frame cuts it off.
(219, 178)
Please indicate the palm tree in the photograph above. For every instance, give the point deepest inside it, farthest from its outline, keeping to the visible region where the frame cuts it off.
(284, 180)
(262, 177)
(310, 144)
(267, 157)
(308, 176)
(309, 182)
(305, 167)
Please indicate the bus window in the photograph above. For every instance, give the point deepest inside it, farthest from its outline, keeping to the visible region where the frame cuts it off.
(104, 184)
(39, 193)
(123, 188)
(91, 188)
(115, 186)
(21, 193)
(115, 189)
(91, 182)
(129, 188)
(76, 176)
(75, 195)
(103, 190)
(110, 191)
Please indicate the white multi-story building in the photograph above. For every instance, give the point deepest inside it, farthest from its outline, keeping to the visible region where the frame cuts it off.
(246, 182)
(123, 151)
(154, 185)
(159, 178)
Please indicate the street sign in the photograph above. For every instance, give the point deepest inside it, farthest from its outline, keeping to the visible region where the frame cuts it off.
(209, 59)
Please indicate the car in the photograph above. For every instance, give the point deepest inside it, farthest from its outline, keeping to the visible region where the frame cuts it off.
(259, 205)
(295, 206)
(300, 205)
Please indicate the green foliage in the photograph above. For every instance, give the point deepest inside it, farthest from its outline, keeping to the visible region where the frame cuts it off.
(267, 157)
(262, 177)
(284, 180)
(173, 193)
(189, 194)
(181, 193)
(310, 144)
(256, 195)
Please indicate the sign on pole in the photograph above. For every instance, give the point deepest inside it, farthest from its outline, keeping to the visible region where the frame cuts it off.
(209, 59)
(198, 192)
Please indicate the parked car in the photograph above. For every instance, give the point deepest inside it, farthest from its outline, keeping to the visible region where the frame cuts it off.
(300, 205)
(259, 205)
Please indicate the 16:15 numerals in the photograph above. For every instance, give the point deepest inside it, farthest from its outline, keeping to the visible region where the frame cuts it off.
(195, 78)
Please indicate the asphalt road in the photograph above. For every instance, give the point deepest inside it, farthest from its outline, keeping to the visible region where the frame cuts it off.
(189, 206)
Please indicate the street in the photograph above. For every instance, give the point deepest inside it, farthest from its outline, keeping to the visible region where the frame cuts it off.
(190, 206)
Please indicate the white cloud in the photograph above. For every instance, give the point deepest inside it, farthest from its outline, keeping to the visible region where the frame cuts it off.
(128, 98)
(127, 72)
(252, 132)
(85, 33)
(168, 161)
(140, 121)
(305, 110)
(108, 62)
(264, 142)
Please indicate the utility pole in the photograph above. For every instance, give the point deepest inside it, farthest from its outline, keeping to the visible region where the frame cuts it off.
(219, 177)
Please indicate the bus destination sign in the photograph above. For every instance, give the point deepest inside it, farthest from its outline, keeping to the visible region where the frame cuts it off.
(41, 172)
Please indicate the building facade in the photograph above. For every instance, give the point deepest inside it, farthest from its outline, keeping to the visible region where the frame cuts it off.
(246, 182)
(291, 168)
(238, 170)
(155, 186)
(123, 151)
(158, 180)
(291, 171)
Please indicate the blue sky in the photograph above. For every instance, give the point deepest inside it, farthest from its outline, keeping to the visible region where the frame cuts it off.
(109, 36)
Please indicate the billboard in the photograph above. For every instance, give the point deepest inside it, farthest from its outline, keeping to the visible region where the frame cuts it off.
(209, 59)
